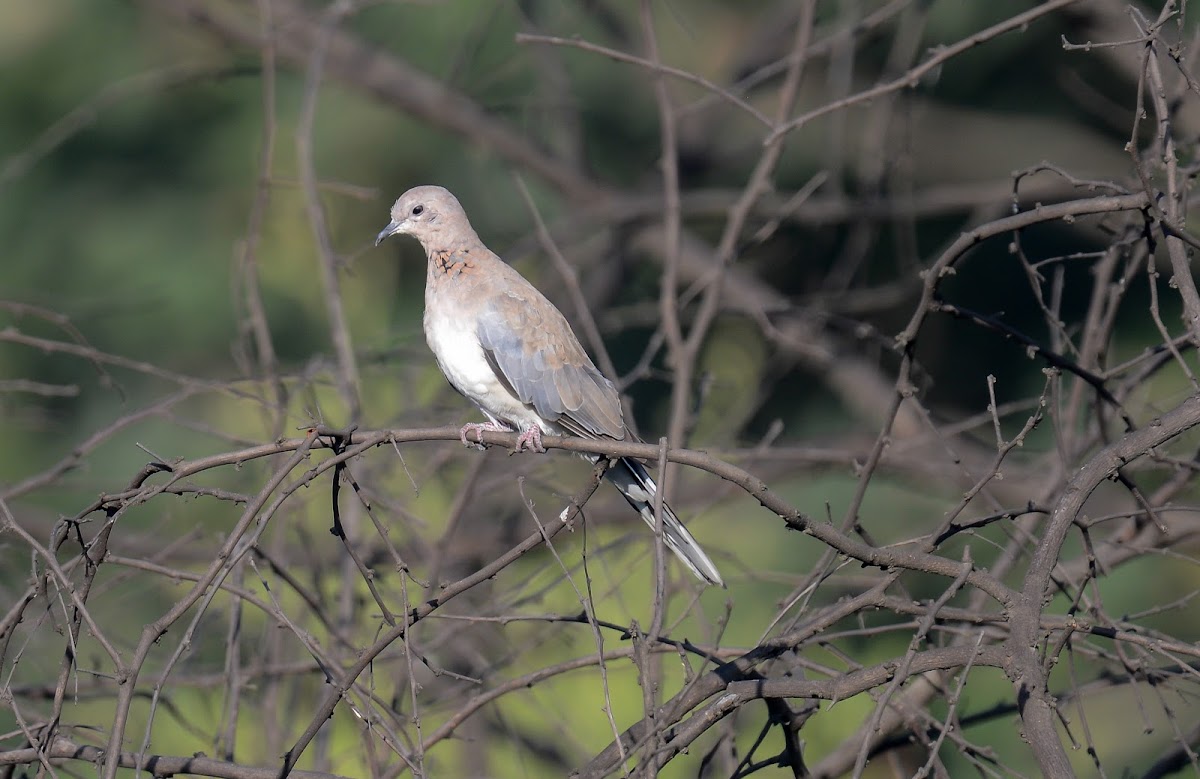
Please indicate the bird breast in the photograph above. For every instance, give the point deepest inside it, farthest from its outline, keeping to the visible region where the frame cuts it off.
(456, 346)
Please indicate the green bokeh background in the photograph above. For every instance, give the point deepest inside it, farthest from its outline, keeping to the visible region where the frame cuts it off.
(125, 195)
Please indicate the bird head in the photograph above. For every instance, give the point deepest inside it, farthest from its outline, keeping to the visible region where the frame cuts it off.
(424, 213)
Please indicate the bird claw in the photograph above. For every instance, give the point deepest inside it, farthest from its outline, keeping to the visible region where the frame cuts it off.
(478, 428)
(531, 439)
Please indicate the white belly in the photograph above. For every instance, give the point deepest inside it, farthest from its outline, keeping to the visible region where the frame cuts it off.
(461, 359)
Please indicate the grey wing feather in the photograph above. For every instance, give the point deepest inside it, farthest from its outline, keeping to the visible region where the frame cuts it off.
(534, 352)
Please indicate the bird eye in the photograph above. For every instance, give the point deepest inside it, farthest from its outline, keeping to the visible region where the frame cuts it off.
(418, 210)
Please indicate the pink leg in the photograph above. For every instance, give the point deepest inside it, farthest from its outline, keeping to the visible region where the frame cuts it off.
(531, 439)
(477, 428)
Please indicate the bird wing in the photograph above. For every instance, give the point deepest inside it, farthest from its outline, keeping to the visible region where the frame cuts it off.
(536, 355)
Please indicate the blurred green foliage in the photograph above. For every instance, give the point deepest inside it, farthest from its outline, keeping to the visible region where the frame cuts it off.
(130, 151)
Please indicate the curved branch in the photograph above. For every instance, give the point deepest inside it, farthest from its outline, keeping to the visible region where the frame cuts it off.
(157, 765)
(1027, 671)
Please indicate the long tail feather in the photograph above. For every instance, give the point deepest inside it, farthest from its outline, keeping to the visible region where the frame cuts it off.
(631, 478)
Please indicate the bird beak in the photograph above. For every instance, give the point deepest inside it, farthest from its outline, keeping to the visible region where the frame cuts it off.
(392, 228)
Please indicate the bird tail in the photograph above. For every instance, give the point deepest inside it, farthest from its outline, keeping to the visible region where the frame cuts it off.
(630, 477)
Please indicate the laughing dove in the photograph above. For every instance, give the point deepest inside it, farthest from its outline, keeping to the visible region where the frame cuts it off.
(506, 347)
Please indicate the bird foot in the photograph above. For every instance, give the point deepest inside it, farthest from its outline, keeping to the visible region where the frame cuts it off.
(531, 439)
(478, 428)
